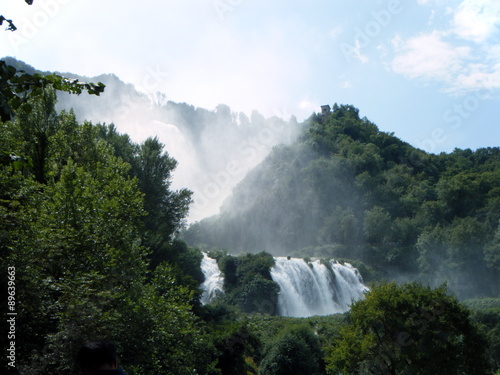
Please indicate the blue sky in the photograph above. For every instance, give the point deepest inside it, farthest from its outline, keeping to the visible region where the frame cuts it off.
(427, 70)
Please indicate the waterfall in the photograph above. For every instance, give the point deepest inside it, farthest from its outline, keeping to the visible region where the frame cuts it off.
(306, 288)
(214, 281)
(313, 288)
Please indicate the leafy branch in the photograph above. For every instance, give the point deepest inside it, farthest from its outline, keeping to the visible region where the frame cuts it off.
(18, 86)
(11, 26)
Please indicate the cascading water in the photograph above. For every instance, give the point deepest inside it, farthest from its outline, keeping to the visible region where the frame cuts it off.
(214, 281)
(313, 288)
(306, 289)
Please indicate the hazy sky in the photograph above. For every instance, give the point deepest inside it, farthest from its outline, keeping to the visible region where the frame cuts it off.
(427, 70)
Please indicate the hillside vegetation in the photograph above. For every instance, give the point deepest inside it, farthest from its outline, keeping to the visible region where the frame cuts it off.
(347, 190)
(89, 249)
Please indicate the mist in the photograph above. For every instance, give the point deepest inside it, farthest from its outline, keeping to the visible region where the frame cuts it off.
(214, 148)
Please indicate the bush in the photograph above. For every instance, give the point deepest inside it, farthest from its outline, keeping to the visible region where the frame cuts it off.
(408, 328)
(295, 352)
(248, 283)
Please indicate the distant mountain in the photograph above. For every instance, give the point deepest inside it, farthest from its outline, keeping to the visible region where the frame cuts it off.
(345, 189)
(214, 148)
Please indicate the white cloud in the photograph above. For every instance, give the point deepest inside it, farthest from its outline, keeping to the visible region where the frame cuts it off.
(431, 17)
(477, 20)
(356, 52)
(382, 49)
(428, 57)
(469, 62)
(397, 41)
(345, 85)
(477, 77)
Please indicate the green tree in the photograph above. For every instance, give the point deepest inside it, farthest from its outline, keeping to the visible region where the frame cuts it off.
(166, 209)
(341, 227)
(377, 225)
(76, 239)
(486, 313)
(248, 283)
(295, 352)
(160, 333)
(492, 252)
(236, 347)
(19, 198)
(456, 253)
(461, 194)
(85, 258)
(18, 87)
(408, 329)
(35, 128)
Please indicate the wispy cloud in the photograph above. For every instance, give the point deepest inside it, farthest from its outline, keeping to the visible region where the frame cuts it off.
(461, 56)
(431, 18)
(477, 20)
(345, 85)
(477, 76)
(429, 57)
(356, 52)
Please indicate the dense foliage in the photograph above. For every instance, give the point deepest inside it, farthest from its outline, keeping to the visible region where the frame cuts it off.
(408, 329)
(89, 263)
(295, 351)
(90, 223)
(486, 313)
(348, 190)
(247, 282)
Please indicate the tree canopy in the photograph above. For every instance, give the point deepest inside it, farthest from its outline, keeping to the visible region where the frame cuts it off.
(408, 329)
(296, 351)
(74, 226)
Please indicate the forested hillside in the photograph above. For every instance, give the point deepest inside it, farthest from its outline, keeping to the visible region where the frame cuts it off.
(89, 249)
(347, 190)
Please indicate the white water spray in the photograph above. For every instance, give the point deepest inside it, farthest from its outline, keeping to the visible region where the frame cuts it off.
(306, 289)
(313, 288)
(214, 281)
